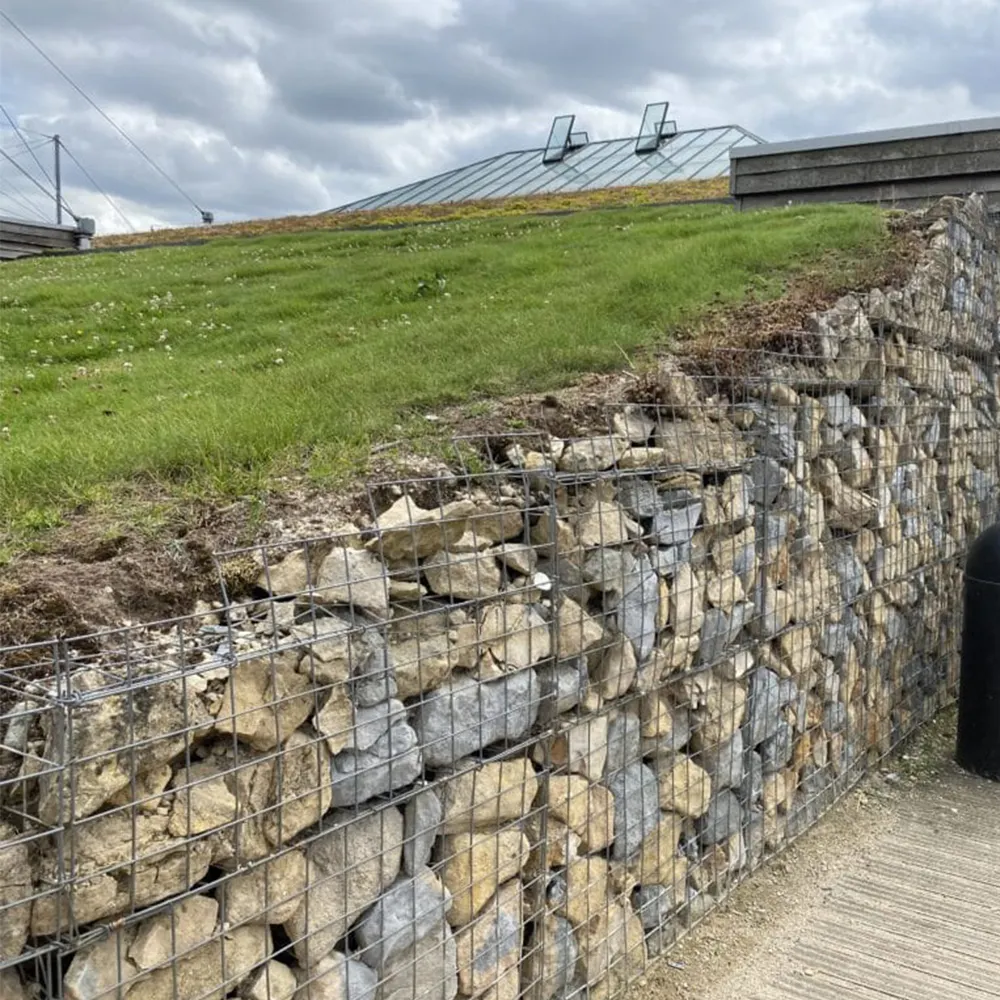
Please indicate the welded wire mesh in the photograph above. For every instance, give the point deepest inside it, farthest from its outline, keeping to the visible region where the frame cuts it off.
(535, 720)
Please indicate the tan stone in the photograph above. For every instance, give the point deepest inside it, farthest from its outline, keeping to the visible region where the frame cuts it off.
(489, 951)
(269, 893)
(102, 970)
(422, 663)
(663, 606)
(550, 959)
(721, 714)
(426, 970)
(301, 790)
(515, 635)
(407, 532)
(174, 934)
(724, 590)
(552, 847)
(335, 720)
(586, 808)
(349, 867)
(473, 865)
(466, 576)
(147, 795)
(797, 652)
(273, 981)
(725, 550)
(355, 577)
(581, 749)
(644, 458)
(586, 890)
(292, 575)
(849, 509)
(685, 788)
(677, 653)
(120, 862)
(616, 672)
(604, 525)
(265, 701)
(113, 737)
(612, 949)
(593, 454)
(578, 631)
(656, 718)
(659, 862)
(489, 795)
(521, 559)
(15, 888)
(701, 444)
(686, 594)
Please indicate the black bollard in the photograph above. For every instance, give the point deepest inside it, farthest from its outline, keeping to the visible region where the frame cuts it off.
(979, 688)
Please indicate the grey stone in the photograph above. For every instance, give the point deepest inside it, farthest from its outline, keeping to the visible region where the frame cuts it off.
(719, 630)
(722, 820)
(408, 911)
(788, 691)
(667, 561)
(373, 722)
(752, 786)
(776, 752)
(849, 570)
(636, 793)
(637, 609)
(640, 498)
(624, 742)
(772, 437)
(337, 977)
(393, 762)
(767, 477)
(763, 706)
(834, 640)
(426, 971)
(772, 531)
(835, 717)
(724, 762)
(656, 906)
(842, 413)
(372, 679)
(676, 525)
(561, 687)
(608, 569)
(895, 625)
(465, 715)
(421, 820)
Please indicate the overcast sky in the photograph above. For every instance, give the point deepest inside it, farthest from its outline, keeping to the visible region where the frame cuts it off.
(270, 107)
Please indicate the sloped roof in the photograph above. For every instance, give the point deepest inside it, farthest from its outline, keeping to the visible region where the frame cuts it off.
(689, 155)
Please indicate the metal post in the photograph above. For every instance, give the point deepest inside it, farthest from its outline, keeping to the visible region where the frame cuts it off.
(55, 142)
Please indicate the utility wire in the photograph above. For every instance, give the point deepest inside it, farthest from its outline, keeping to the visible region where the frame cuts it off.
(100, 190)
(17, 166)
(33, 210)
(14, 126)
(103, 114)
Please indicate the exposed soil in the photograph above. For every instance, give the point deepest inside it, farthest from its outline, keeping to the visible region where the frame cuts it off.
(96, 572)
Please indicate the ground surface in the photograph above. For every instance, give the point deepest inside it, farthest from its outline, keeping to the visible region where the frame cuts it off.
(893, 896)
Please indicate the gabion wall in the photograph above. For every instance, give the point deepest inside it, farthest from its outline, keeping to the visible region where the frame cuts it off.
(517, 734)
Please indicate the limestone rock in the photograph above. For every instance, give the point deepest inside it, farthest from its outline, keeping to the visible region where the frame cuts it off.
(550, 959)
(578, 631)
(265, 701)
(613, 950)
(410, 909)
(764, 704)
(354, 577)
(685, 789)
(701, 445)
(174, 933)
(292, 575)
(593, 454)
(466, 577)
(617, 669)
(421, 824)
(273, 981)
(585, 890)
(349, 868)
(393, 761)
(686, 594)
(659, 862)
(300, 792)
(721, 821)
(724, 762)
(721, 712)
(554, 847)
(114, 872)
(465, 715)
(624, 739)
(269, 893)
(15, 888)
(337, 977)
(516, 635)
(487, 795)
(473, 864)
(423, 664)
(407, 532)
(489, 951)
(100, 970)
(582, 748)
(637, 811)
(724, 590)
(427, 971)
(587, 809)
(604, 525)
(111, 738)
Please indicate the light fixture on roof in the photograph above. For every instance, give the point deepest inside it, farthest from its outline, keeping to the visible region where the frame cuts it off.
(562, 139)
(655, 128)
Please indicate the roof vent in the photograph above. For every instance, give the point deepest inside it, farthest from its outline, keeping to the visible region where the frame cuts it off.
(655, 128)
(562, 139)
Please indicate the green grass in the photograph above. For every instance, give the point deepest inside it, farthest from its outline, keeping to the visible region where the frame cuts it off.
(218, 368)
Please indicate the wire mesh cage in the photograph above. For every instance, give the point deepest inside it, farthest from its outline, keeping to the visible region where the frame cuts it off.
(531, 723)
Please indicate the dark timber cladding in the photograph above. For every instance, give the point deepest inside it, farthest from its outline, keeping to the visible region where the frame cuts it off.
(906, 167)
(27, 239)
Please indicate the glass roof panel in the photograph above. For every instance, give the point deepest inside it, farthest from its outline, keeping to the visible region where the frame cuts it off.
(613, 163)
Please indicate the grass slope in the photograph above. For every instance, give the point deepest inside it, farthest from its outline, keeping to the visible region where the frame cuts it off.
(217, 368)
